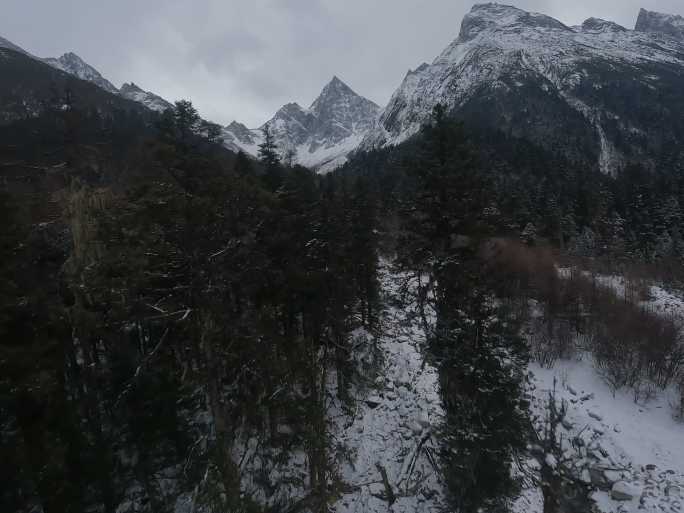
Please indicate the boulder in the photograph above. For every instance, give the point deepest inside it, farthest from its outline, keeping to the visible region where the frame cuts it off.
(594, 415)
(673, 491)
(598, 479)
(586, 476)
(624, 491)
(613, 476)
(373, 401)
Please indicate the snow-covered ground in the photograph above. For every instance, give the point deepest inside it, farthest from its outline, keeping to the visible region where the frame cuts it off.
(611, 439)
(622, 448)
(625, 449)
(382, 445)
(392, 429)
(660, 301)
(663, 302)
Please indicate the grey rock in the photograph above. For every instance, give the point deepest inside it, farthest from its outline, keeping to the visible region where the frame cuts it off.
(673, 491)
(659, 23)
(373, 401)
(624, 491)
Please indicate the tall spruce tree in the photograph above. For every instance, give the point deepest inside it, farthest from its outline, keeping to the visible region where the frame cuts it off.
(479, 354)
(268, 154)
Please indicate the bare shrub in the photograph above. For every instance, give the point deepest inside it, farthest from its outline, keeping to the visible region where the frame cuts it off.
(632, 347)
(551, 340)
(636, 287)
(635, 346)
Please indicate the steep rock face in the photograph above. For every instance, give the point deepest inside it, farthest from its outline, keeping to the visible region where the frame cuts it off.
(243, 134)
(321, 136)
(150, 100)
(597, 93)
(74, 65)
(292, 125)
(658, 23)
(340, 113)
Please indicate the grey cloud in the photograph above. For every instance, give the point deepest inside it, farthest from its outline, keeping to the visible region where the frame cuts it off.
(243, 59)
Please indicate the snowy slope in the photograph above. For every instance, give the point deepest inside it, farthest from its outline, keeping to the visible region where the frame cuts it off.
(74, 65)
(389, 426)
(393, 427)
(501, 48)
(618, 444)
(639, 444)
(321, 136)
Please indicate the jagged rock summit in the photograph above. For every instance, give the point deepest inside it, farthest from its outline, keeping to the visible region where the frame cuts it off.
(596, 93)
(74, 65)
(148, 99)
(320, 137)
(659, 23)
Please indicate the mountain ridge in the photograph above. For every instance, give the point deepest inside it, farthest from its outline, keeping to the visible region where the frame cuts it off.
(75, 65)
(521, 72)
(533, 77)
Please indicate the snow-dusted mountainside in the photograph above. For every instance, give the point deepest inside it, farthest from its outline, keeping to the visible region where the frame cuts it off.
(321, 136)
(74, 65)
(659, 23)
(597, 92)
(150, 100)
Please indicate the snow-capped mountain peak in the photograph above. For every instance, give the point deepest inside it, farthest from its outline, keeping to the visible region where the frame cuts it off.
(74, 65)
(321, 136)
(333, 92)
(493, 16)
(150, 100)
(522, 72)
(243, 134)
(291, 125)
(659, 23)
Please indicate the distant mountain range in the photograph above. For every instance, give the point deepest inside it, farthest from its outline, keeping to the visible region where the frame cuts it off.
(74, 65)
(319, 137)
(597, 93)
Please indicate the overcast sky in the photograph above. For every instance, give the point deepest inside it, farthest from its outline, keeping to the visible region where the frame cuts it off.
(243, 59)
